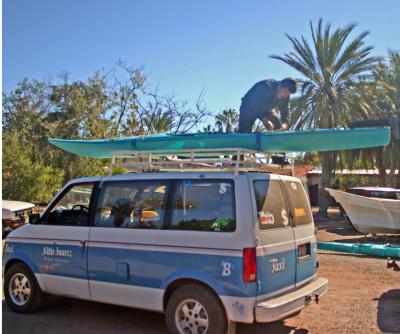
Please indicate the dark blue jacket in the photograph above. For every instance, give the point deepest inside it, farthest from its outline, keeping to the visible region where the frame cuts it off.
(261, 99)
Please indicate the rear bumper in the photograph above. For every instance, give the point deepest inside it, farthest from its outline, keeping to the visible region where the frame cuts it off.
(281, 307)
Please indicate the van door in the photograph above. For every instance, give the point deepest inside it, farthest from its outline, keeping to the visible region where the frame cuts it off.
(276, 249)
(301, 216)
(123, 266)
(62, 235)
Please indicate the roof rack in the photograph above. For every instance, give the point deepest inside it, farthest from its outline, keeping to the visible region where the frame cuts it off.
(197, 159)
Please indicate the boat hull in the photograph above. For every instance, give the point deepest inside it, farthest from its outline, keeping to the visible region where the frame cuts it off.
(369, 215)
(268, 142)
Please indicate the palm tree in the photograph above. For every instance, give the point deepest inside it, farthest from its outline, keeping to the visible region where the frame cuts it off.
(158, 121)
(208, 128)
(331, 66)
(389, 76)
(228, 118)
(384, 97)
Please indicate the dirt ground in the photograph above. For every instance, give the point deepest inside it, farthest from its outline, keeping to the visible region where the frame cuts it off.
(363, 297)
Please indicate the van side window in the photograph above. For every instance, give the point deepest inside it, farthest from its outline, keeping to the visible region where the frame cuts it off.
(300, 206)
(199, 205)
(73, 207)
(131, 204)
(271, 206)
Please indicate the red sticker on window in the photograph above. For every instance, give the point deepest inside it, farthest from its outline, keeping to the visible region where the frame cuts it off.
(266, 218)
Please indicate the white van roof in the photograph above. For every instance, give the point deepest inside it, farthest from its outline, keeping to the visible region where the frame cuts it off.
(177, 175)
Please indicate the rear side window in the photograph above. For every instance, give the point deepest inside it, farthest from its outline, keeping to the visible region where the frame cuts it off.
(199, 205)
(271, 205)
(299, 203)
(131, 205)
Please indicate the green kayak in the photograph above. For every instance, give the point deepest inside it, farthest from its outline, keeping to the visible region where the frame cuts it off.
(265, 142)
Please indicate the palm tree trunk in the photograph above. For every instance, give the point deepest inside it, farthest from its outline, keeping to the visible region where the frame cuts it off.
(328, 160)
(381, 167)
(69, 170)
(395, 164)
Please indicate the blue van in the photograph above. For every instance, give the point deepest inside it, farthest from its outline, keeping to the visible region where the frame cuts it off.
(209, 249)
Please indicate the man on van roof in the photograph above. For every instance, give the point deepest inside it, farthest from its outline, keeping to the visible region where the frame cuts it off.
(260, 102)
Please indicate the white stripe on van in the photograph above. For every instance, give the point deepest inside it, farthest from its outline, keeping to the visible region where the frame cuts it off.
(64, 286)
(127, 295)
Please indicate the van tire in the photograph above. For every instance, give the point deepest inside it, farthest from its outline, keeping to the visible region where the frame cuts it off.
(36, 297)
(212, 311)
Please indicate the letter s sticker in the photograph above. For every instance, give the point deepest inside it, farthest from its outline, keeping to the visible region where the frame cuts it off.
(285, 217)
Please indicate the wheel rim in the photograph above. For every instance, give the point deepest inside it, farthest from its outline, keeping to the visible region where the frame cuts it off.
(19, 289)
(191, 317)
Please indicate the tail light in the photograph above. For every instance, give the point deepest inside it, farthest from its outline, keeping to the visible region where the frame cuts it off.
(249, 265)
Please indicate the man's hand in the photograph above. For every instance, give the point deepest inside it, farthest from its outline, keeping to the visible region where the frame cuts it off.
(268, 124)
(284, 126)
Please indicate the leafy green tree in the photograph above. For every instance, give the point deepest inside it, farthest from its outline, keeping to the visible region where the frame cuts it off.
(79, 111)
(103, 106)
(308, 158)
(378, 98)
(33, 112)
(24, 114)
(331, 66)
(387, 102)
(23, 178)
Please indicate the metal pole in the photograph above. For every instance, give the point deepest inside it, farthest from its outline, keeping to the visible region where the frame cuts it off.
(112, 164)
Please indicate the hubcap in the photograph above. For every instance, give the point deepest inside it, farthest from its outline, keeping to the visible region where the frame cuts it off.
(19, 289)
(191, 317)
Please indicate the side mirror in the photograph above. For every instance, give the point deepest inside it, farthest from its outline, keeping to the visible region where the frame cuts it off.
(34, 218)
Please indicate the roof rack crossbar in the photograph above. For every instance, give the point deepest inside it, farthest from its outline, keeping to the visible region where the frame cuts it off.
(228, 159)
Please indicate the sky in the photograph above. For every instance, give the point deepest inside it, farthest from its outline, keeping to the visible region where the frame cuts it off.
(185, 46)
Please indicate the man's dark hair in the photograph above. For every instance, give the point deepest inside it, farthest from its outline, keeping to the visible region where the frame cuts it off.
(290, 84)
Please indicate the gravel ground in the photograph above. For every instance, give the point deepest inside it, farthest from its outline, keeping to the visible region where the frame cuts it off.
(363, 297)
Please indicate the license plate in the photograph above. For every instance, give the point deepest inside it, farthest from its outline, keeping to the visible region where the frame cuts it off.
(304, 251)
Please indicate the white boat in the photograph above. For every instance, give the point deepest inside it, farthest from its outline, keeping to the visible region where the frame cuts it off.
(368, 214)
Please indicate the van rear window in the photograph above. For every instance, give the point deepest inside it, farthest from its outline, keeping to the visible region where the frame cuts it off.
(301, 210)
(203, 206)
(271, 206)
